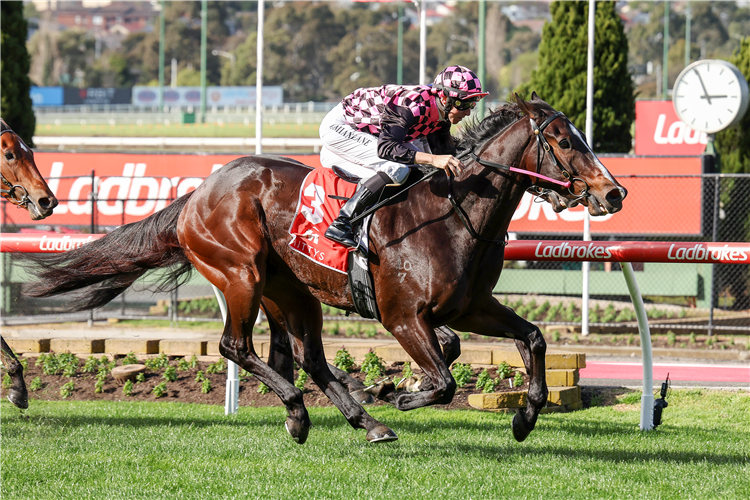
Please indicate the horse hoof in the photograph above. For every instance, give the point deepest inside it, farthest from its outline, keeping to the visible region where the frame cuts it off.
(520, 429)
(19, 400)
(298, 432)
(381, 434)
(381, 389)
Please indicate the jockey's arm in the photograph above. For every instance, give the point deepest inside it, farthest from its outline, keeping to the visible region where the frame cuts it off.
(395, 125)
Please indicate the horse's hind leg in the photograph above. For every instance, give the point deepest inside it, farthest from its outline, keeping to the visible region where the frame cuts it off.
(304, 321)
(242, 286)
(17, 394)
(497, 320)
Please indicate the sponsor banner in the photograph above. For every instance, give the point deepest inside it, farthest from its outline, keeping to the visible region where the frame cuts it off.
(147, 182)
(97, 95)
(47, 96)
(215, 96)
(629, 251)
(654, 205)
(658, 131)
(43, 243)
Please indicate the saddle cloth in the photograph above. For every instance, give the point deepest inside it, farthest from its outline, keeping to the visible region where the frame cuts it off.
(315, 212)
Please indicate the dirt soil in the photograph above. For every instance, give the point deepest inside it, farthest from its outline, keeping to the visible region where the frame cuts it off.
(186, 390)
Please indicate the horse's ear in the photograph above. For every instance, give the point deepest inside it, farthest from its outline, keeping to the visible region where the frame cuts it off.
(534, 97)
(525, 107)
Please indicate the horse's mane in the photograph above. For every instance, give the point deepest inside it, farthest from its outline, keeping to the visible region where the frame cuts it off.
(474, 133)
(3, 126)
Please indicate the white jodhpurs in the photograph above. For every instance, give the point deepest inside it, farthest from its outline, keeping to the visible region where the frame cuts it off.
(357, 152)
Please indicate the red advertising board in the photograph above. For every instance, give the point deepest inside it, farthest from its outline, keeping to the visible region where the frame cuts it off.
(655, 205)
(658, 131)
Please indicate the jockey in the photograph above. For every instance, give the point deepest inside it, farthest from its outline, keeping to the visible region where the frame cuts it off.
(376, 133)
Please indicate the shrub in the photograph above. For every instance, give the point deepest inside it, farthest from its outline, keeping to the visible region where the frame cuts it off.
(170, 374)
(630, 339)
(518, 379)
(373, 375)
(334, 329)
(140, 378)
(371, 362)
(129, 359)
(263, 388)
(301, 379)
(161, 361)
(206, 386)
(503, 370)
(671, 338)
(36, 384)
(159, 390)
(99, 386)
(25, 363)
(371, 331)
(491, 384)
(200, 376)
(217, 367)
(183, 365)
(555, 336)
(69, 370)
(343, 360)
(482, 379)
(127, 389)
(407, 372)
(91, 365)
(691, 338)
(67, 389)
(7, 381)
(193, 361)
(466, 335)
(462, 373)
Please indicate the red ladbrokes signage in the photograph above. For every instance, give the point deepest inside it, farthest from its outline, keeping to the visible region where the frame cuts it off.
(658, 131)
(147, 183)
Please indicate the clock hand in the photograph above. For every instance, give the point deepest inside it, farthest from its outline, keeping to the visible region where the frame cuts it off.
(709, 97)
(705, 92)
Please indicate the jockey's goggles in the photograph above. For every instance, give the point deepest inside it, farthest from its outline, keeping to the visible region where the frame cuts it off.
(464, 104)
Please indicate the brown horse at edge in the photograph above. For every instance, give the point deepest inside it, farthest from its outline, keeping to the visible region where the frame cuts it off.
(24, 187)
(234, 230)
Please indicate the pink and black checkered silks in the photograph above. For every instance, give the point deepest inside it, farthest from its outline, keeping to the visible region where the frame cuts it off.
(465, 82)
(364, 108)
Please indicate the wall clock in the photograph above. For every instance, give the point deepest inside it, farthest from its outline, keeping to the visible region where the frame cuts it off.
(710, 95)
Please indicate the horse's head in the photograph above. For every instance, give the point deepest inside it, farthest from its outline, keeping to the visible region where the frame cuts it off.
(22, 184)
(562, 153)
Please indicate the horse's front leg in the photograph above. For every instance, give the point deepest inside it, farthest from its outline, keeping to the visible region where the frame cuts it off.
(497, 320)
(420, 341)
(17, 394)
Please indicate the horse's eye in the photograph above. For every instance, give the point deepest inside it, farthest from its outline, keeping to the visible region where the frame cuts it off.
(8, 156)
(564, 144)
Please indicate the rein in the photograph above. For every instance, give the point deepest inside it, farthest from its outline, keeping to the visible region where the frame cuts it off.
(541, 145)
(24, 200)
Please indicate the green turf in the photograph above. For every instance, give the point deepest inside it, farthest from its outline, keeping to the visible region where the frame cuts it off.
(178, 130)
(125, 450)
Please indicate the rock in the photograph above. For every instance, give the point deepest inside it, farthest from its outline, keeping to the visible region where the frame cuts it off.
(127, 372)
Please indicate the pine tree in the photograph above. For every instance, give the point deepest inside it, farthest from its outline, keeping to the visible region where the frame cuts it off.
(15, 85)
(560, 77)
(733, 144)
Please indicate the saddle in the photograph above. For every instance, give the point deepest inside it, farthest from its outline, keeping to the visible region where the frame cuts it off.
(358, 265)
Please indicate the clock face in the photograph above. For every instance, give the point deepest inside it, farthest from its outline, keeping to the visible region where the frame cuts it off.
(710, 95)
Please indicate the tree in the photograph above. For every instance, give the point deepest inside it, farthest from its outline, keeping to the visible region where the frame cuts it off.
(733, 146)
(15, 106)
(560, 77)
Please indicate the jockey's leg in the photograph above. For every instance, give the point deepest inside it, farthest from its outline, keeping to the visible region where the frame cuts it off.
(368, 193)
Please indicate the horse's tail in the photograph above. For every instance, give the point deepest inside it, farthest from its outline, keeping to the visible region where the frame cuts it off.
(101, 270)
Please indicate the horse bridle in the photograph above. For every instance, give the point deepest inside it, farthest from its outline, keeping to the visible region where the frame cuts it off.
(541, 145)
(24, 200)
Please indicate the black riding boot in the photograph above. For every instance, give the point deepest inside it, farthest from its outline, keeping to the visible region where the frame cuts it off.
(341, 230)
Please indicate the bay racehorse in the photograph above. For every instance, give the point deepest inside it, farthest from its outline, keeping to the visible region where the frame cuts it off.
(24, 187)
(234, 230)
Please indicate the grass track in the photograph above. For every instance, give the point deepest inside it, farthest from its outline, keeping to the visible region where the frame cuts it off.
(127, 450)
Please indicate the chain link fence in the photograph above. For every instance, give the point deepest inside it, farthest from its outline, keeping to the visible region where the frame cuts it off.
(679, 296)
(701, 298)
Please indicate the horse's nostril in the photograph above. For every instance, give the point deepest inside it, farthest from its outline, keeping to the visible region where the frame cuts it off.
(615, 196)
(45, 203)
